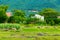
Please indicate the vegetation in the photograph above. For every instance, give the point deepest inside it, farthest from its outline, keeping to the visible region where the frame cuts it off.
(10, 26)
(18, 17)
(3, 16)
(50, 16)
(29, 28)
(48, 32)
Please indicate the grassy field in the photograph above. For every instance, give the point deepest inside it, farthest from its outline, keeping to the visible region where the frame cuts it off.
(32, 33)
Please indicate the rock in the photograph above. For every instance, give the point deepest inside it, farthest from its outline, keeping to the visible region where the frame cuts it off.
(13, 28)
(41, 34)
(31, 36)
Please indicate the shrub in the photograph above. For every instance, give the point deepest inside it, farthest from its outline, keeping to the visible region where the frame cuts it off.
(57, 21)
(10, 26)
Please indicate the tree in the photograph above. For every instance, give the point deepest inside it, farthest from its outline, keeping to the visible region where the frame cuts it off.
(57, 21)
(11, 19)
(18, 13)
(31, 15)
(18, 17)
(32, 20)
(3, 16)
(50, 15)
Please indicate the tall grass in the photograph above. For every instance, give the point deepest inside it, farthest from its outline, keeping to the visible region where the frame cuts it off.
(9, 26)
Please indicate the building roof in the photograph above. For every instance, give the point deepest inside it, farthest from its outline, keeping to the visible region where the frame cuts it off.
(8, 14)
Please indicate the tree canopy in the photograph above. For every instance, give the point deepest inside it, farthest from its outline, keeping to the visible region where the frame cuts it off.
(49, 14)
(3, 16)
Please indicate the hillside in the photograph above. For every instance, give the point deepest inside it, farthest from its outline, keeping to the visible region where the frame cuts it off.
(31, 4)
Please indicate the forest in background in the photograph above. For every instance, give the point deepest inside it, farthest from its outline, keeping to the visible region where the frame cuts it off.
(51, 16)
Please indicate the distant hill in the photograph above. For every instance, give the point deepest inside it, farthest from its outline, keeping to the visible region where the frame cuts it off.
(31, 4)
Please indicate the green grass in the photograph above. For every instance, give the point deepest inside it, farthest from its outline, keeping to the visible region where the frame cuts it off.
(30, 33)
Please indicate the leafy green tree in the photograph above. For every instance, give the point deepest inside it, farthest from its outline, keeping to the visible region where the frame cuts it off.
(3, 16)
(18, 13)
(32, 20)
(57, 21)
(31, 15)
(18, 17)
(11, 19)
(15, 19)
(50, 15)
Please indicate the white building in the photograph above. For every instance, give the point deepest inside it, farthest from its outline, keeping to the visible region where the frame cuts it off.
(39, 17)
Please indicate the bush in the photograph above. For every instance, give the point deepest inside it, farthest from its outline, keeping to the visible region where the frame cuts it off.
(16, 19)
(57, 21)
(10, 26)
